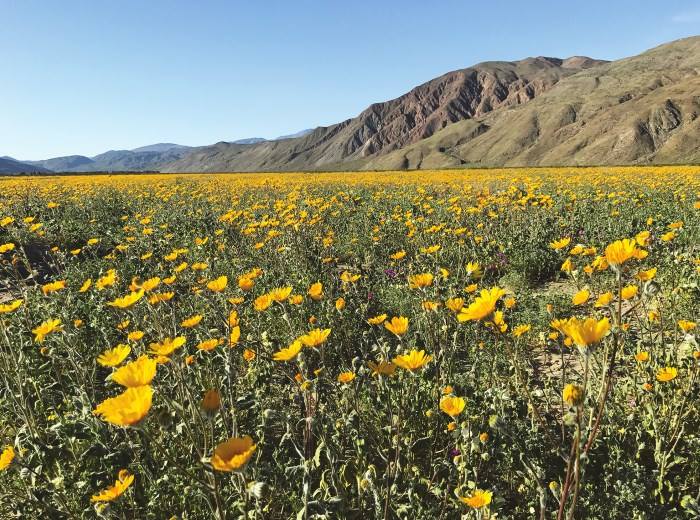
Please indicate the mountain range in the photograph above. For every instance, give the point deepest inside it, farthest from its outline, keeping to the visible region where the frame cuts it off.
(538, 111)
(10, 166)
(145, 158)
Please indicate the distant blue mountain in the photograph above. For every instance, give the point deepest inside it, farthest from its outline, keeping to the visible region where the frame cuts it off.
(256, 140)
(300, 133)
(10, 166)
(144, 158)
(63, 164)
(249, 140)
(160, 147)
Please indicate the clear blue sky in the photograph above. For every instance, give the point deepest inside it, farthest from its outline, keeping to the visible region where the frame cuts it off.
(82, 77)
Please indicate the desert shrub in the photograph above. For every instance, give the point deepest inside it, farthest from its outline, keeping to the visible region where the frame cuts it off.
(512, 344)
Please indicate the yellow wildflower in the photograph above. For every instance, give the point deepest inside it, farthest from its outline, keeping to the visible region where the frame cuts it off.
(346, 377)
(128, 408)
(483, 306)
(316, 291)
(6, 308)
(192, 321)
(315, 337)
(398, 325)
(124, 480)
(477, 499)
(233, 454)
(114, 357)
(420, 281)
(452, 406)
(218, 285)
(288, 353)
(572, 394)
(46, 328)
(414, 360)
(127, 301)
(137, 373)
(666, 374)
(581, 297)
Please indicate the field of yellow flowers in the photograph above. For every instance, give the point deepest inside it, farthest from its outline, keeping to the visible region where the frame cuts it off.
(512, 343)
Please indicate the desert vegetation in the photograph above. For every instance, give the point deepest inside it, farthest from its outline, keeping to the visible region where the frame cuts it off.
(439, 344)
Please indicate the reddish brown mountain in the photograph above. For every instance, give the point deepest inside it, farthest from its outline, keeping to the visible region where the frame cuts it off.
(534, 112)
(391, 125)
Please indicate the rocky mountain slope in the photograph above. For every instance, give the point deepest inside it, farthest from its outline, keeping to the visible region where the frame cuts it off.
(633, 111)
(388, 126)
(538, 111)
